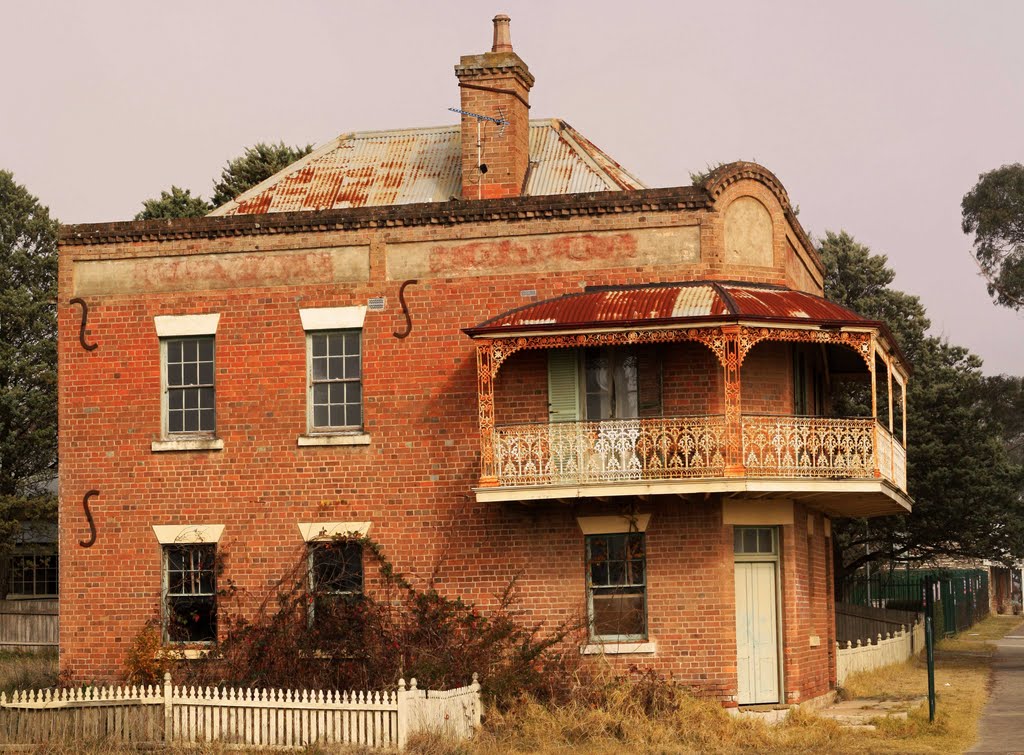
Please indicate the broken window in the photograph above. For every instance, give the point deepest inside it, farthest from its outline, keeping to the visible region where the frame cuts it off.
(617, 586)
(612, 388)
(335, 380)
(189, 385)
(335, 575)
(190, 605)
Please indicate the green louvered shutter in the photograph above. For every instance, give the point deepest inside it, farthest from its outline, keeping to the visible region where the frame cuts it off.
(563, 386)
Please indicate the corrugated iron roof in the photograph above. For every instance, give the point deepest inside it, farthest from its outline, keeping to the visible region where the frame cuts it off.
(377, 168)
(627, 305)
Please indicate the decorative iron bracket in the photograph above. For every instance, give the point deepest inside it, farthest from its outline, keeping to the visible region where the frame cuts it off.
(405, 310)
(92, 522)
(85, 321)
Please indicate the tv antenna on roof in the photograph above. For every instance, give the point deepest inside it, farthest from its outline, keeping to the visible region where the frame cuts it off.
(501, 122)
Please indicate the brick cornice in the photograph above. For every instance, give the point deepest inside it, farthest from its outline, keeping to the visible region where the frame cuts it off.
(450, 213)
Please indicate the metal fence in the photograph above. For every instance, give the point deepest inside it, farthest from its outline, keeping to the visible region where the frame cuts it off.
(961, 595)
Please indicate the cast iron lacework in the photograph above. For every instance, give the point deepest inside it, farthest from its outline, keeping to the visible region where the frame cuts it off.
(617, 586)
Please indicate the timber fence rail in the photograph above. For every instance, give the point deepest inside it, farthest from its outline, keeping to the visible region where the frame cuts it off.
(166, 714)
(28, 624)
(893, 648)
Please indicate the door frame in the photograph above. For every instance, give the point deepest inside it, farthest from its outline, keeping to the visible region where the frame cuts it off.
(776, 558)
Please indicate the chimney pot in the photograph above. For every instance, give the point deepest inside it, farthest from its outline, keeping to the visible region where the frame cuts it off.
(502, 35)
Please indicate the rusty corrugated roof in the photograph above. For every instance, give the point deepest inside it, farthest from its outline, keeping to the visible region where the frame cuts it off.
(377, 168)
(628, 305)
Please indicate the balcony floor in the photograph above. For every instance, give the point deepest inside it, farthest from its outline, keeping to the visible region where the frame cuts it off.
(852, 498)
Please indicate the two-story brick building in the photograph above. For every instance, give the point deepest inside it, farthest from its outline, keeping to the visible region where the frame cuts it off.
(491, 348)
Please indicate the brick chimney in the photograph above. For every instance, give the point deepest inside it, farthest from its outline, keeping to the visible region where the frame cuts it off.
(495, 84)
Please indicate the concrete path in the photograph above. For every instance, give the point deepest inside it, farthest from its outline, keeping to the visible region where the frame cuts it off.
(1001, 729)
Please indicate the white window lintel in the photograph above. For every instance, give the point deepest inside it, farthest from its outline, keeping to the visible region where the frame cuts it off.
(312, 531)
(613, 524)
(174, 534)
(332, 318)
(169, 326)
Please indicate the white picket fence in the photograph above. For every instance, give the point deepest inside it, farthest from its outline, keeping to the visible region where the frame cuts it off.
(893, 648)
(268, 718)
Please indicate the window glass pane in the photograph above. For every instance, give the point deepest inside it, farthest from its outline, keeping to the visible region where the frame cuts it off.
(191, 396)
(319, 368)
(750, 541)
(351, 343)
(192, 619)
(189, 350)
(337, 393)
(616, 573)
(354, 415)
(191, 421)
(173, 351)
(320, 392)
(636, 575)
(189, 373)
(205, 373)
(319, 345)
(337, 415)
(207, 421)
(335, 365)
(764, 538)
(321, 416)
(206, 349)
(353, 393)
(175, 421)
(175, 400)
(352, 367)
(618, 613)
(337, 567)
(599, 573)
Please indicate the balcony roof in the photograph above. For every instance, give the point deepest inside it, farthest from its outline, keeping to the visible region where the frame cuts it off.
(661, 304)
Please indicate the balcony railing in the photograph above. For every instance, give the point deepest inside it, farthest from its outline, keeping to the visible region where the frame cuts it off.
(578, 453)
(674, 448)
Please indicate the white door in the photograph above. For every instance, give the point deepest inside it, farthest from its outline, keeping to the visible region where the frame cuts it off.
(757, 640)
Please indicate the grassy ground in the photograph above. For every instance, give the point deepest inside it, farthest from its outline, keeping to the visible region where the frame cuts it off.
(27, 670)
(618, 718)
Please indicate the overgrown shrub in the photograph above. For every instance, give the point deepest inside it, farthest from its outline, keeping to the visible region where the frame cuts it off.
(308, 638)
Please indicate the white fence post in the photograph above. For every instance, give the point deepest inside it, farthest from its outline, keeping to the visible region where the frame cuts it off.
(403, 714)
(168, 716)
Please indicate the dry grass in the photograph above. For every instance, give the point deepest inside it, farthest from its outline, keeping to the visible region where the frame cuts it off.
(27, 670)
(638, 718)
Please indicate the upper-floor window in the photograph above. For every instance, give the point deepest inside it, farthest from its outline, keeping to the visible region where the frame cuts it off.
(334, 370)
(335, 380)
(188, 392)
(190, 385)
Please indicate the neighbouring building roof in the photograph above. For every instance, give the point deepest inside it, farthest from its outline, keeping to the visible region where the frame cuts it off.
(377, 168)
(623, 306)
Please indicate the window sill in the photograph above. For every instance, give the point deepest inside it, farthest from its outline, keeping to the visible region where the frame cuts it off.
(335, 439)
(619, 648)
(188, 444)
(188, 654)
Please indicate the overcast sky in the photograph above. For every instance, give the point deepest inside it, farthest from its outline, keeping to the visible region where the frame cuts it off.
(877, 116)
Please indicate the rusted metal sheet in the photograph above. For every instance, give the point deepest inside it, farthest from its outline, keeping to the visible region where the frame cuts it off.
(378, 168)
(679, 302)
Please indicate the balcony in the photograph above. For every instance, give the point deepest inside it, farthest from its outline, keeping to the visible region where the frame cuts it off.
(690, 455)
(692, 389)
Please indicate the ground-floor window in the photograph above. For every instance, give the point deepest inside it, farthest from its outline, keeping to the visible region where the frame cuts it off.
(335, 576)
(617, 586)
(33, 574)
(190, 593)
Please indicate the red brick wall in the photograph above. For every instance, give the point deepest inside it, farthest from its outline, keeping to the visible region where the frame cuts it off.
(413, 481)
(767, 380)
(521, 390)
(692, 380)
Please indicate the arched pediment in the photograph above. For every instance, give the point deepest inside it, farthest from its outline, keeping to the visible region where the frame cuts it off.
(724, 176)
